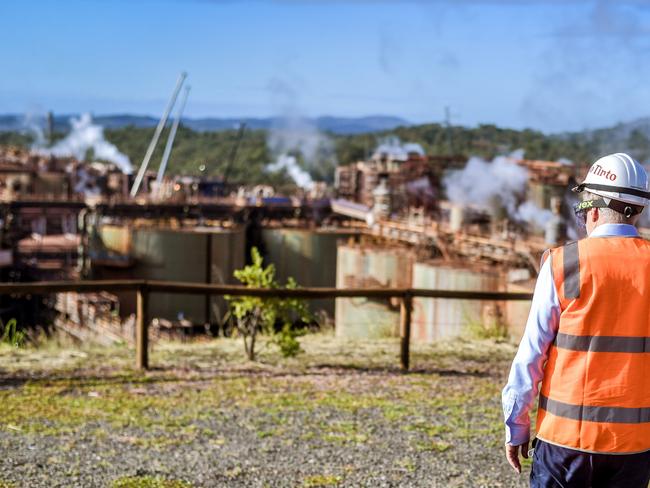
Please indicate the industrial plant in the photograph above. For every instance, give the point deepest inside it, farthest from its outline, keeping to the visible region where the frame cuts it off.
(397, 219)
(393, 220)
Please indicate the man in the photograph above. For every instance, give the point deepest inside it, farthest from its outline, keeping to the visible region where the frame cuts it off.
(587, 339)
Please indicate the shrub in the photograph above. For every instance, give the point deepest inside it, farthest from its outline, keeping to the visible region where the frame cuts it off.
(492, 329)
(254, 315)
(11, 336)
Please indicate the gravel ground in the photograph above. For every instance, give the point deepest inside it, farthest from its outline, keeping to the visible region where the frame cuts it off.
(339, 415)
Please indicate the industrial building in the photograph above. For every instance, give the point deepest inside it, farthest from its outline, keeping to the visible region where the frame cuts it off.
(389, 225)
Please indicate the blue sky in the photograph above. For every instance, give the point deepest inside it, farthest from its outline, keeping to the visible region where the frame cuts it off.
(551, 65)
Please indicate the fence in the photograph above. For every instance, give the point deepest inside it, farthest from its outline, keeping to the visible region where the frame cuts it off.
(145, 288)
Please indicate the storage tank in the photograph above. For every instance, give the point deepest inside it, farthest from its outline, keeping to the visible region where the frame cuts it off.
(437, 318)
(361, 266)
(197, 255)
(200, 255)
(307, 255)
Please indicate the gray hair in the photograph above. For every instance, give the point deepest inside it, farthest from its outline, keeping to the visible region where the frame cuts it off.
(610, 216)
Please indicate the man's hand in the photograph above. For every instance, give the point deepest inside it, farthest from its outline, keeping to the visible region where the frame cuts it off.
(512, 455)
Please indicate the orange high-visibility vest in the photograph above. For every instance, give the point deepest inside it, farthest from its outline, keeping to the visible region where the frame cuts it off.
(595, 395)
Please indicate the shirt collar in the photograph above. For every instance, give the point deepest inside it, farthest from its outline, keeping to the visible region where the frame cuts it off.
(619, 230)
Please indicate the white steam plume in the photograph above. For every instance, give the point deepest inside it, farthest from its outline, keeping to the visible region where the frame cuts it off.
(299, 175)
(481, 182)
(84, 136)
(33, 123)
(392, 146)
(529, 212)
(293, 134)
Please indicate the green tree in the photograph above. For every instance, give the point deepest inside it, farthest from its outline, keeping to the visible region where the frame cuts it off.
(15, 139)
(255, 315)
(193, 149)
(212, 149)
(639, 144)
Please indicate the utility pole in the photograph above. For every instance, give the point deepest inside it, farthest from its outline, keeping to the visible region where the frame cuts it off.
(233, 152)
(156, 136)
(50, 128)
(448, 126)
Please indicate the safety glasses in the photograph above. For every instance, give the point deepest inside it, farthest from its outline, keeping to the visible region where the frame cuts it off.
(581, 210)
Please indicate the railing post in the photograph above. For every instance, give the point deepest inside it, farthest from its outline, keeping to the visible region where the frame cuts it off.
(142, 328)
(405, 330)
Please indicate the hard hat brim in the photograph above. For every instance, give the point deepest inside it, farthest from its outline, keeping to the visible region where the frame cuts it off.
(616, 189)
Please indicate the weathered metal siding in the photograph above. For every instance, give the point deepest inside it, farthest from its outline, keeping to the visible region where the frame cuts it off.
(309, 256)
(436, 318)
(359, 267)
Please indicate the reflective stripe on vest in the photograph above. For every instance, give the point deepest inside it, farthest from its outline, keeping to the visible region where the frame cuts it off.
(595, 395)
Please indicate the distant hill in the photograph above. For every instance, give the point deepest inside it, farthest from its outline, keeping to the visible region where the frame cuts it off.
(335, 125)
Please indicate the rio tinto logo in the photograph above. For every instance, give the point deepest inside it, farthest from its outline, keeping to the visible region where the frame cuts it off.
(599, 171)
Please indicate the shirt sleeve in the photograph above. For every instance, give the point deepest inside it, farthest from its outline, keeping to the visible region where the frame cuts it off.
(527, 370)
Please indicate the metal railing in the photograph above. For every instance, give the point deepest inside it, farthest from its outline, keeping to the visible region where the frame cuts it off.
(144, 288)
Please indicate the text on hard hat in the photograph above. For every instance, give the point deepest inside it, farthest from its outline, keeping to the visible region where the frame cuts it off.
(598, 170)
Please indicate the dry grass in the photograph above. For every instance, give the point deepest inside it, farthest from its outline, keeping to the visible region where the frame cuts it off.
(320, 350)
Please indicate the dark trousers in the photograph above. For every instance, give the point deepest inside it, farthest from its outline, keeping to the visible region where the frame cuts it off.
(559, 467)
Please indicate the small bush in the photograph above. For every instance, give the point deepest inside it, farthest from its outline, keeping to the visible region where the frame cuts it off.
(287, 341)
(493, 329)
(256, 315)
(11, 336)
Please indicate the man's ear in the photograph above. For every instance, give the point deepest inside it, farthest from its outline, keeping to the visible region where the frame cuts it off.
(595, 214)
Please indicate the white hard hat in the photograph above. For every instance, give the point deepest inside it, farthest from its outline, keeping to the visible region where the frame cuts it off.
(619, 177)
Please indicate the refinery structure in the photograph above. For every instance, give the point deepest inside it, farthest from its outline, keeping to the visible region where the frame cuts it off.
(385, 223)
(399, 218)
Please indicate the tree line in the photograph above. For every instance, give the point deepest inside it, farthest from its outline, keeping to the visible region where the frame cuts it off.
(209, 153)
